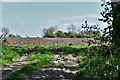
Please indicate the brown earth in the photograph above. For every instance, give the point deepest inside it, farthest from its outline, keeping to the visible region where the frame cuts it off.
(39, 41)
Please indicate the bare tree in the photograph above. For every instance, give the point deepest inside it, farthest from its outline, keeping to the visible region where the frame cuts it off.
(72, 28)
(5, 31)
(79, 30)
(50, 31)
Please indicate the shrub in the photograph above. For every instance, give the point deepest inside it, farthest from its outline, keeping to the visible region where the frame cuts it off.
(98, 67)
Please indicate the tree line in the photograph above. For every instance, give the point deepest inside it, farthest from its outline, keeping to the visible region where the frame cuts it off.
(89, 31)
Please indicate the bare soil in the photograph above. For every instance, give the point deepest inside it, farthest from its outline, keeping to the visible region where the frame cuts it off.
(38, 41)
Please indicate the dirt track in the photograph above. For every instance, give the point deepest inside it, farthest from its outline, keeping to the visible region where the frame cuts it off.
(63, 68)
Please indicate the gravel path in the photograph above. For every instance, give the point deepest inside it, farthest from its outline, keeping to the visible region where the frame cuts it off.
(63, 67)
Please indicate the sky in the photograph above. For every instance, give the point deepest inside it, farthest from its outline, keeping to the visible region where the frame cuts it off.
(29, 18)
(50, 0)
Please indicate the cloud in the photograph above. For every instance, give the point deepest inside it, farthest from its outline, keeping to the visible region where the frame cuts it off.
(50, 0)
(64, 22)
(74, 19)
(68, 24)
(29, 23)
(16, 0)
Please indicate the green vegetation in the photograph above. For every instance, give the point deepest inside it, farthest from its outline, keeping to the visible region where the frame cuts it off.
(99, 64)
(89, 31)
(9, 53)
(38, 60)
(39, 55)
(98, 67)
(94, 64)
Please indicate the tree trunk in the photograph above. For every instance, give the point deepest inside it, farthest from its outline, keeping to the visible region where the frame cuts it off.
(116, 23)
(116, 28)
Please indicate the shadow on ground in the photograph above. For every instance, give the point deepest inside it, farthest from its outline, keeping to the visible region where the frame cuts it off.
(54, 72)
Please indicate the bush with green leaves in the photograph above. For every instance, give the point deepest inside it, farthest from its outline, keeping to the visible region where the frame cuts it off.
(99, 63)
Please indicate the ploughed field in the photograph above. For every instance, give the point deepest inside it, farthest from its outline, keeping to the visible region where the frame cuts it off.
(31, 41)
